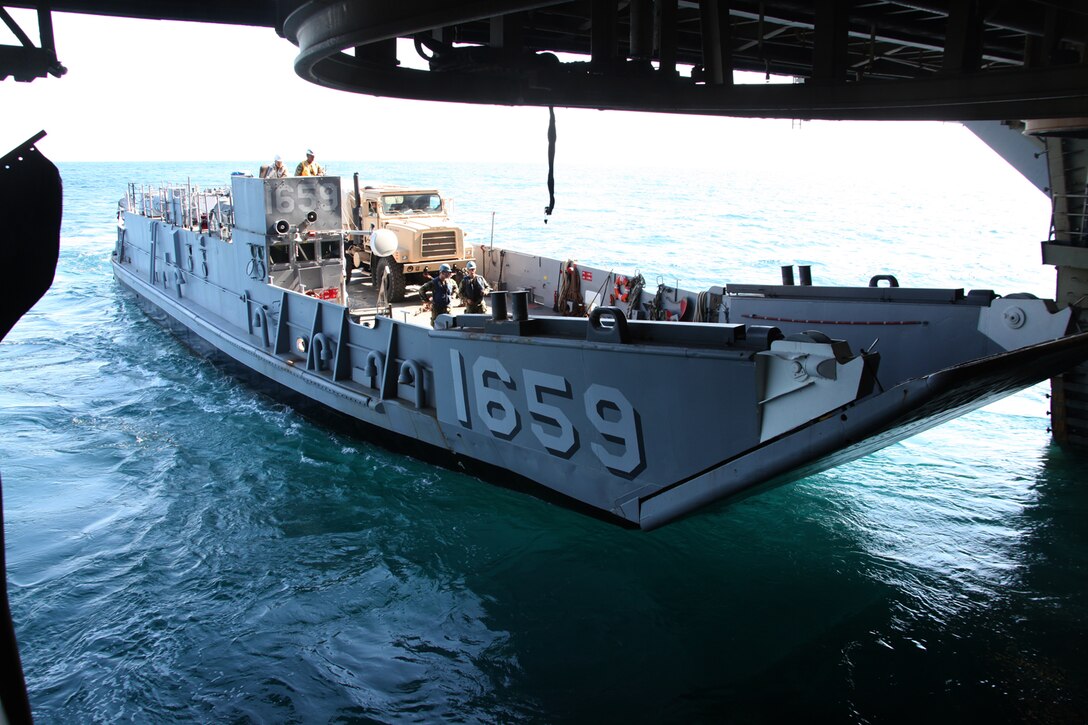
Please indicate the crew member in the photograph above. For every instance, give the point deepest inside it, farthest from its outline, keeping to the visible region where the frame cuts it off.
(309, 167)
(474, 289)
(438, 292)
(276, 170)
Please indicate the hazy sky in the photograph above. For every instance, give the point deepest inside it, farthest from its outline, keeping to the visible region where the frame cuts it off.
(152, 90)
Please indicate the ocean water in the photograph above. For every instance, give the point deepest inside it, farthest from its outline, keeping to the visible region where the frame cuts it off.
(183, 549)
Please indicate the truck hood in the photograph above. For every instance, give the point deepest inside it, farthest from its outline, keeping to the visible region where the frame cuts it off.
(421, 224)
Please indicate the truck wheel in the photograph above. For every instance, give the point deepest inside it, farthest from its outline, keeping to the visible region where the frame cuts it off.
(396, 277)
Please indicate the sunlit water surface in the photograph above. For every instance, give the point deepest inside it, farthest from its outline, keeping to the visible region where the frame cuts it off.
(181, 548)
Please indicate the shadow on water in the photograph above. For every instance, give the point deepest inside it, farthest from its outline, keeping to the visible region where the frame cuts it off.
(459, 600)
(1011, 653)
(674, 625)
(410, 591)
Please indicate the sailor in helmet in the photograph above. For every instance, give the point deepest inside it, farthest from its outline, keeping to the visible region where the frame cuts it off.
(474, 288)
(309, 167)
(276, 170)
(438, 292)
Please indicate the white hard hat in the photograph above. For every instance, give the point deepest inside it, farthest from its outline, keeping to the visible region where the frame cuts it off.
(470, 265)
(278, 158)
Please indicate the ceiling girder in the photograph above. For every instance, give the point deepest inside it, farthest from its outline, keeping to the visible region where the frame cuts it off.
(25, 62)
(937, 59)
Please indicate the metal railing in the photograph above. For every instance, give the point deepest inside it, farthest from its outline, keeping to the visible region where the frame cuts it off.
(1075, 230)
(187, 206)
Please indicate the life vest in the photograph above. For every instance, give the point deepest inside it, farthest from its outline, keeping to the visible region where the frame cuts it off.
(440, 292)
(472, 290)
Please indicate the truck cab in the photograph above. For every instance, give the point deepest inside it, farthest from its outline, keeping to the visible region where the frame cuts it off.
(426, 238)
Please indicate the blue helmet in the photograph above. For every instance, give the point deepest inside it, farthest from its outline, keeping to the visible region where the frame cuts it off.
(444, 268)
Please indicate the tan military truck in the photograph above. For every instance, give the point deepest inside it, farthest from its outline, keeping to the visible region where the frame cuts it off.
(426, 238)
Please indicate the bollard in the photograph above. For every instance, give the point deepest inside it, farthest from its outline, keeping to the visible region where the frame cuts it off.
(498, 306)
(519, 305)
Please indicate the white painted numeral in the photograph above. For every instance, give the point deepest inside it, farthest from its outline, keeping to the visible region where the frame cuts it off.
(460, 388)
(564, 442)
(326, 197)
(284, 201)
(492, 404)
(618, 423)
(307, 200)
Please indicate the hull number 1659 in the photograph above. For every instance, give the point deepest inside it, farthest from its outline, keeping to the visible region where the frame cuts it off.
(491, 387)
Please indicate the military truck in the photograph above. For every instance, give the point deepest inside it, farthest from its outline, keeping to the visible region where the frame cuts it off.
(426, 238)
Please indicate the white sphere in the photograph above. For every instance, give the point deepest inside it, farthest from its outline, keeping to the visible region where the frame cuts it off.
(383, 242)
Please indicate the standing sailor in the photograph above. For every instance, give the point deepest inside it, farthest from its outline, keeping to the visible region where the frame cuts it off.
(473, 290)
(276, 170)
(309, 167)
(438, 292)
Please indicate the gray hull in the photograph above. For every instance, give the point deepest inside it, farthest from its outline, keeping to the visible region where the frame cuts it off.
(642, 422)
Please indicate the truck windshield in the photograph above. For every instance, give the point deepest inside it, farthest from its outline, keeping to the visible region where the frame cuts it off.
(411, 203)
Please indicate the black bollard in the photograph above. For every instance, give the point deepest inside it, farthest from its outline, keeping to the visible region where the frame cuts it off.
(519, 305)
(498, 306)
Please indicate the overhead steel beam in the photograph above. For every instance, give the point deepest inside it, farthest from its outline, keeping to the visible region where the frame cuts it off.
(641, 36)
(366, 22)
(263, 13)
(830, 54)
(872, 59)
(666, 36)
(603, 36)
(1057, 91)
(508, 34)
(717, 41)
(25, 62)
(963, 37)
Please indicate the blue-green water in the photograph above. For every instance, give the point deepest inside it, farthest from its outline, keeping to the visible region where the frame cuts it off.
(182, 549)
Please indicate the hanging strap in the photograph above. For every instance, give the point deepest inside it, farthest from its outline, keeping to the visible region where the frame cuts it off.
(551, 164)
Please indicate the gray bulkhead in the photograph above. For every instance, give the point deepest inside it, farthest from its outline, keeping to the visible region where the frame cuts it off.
(917, 331)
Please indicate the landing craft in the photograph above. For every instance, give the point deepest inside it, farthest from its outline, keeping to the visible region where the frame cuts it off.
(779, 382)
